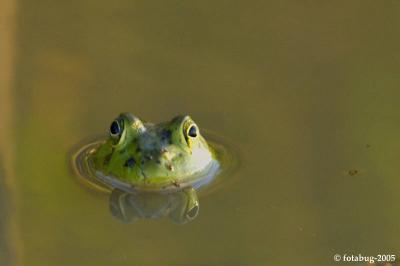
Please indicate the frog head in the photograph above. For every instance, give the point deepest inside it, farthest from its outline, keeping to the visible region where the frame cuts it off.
(161, 154)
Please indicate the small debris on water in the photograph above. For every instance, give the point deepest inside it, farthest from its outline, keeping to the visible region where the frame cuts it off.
(353, 172)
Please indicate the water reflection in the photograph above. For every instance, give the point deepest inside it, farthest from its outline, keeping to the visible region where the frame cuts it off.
(181, 206)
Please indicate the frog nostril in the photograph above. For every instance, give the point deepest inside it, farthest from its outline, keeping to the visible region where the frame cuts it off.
(130, 162)
(166, 135)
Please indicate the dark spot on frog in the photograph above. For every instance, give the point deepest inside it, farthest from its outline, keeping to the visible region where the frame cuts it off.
(148, 157)
(169, 167)
(130, 162)
(166, 135)
(367, 146)
(353, 172)
(163, 151)
(107, 159)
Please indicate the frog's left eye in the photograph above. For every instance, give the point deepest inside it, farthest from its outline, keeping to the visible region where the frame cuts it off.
(116, 128)
(192, 132)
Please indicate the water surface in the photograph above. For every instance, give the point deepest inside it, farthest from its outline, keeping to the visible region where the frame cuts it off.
(307, 91)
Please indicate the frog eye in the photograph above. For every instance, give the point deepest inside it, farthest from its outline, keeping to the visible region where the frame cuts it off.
(192, 132)
(116, 128)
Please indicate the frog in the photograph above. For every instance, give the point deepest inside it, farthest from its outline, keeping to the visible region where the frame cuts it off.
(145, 156)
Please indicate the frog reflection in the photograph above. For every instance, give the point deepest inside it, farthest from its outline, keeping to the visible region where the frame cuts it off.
(181, 206)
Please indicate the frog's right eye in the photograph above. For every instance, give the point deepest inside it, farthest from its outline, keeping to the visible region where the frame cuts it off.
(116, 129)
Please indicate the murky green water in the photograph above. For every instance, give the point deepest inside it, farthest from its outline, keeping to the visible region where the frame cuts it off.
(306, 91)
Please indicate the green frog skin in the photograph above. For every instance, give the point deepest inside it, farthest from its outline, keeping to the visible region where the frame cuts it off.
(153, 156)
